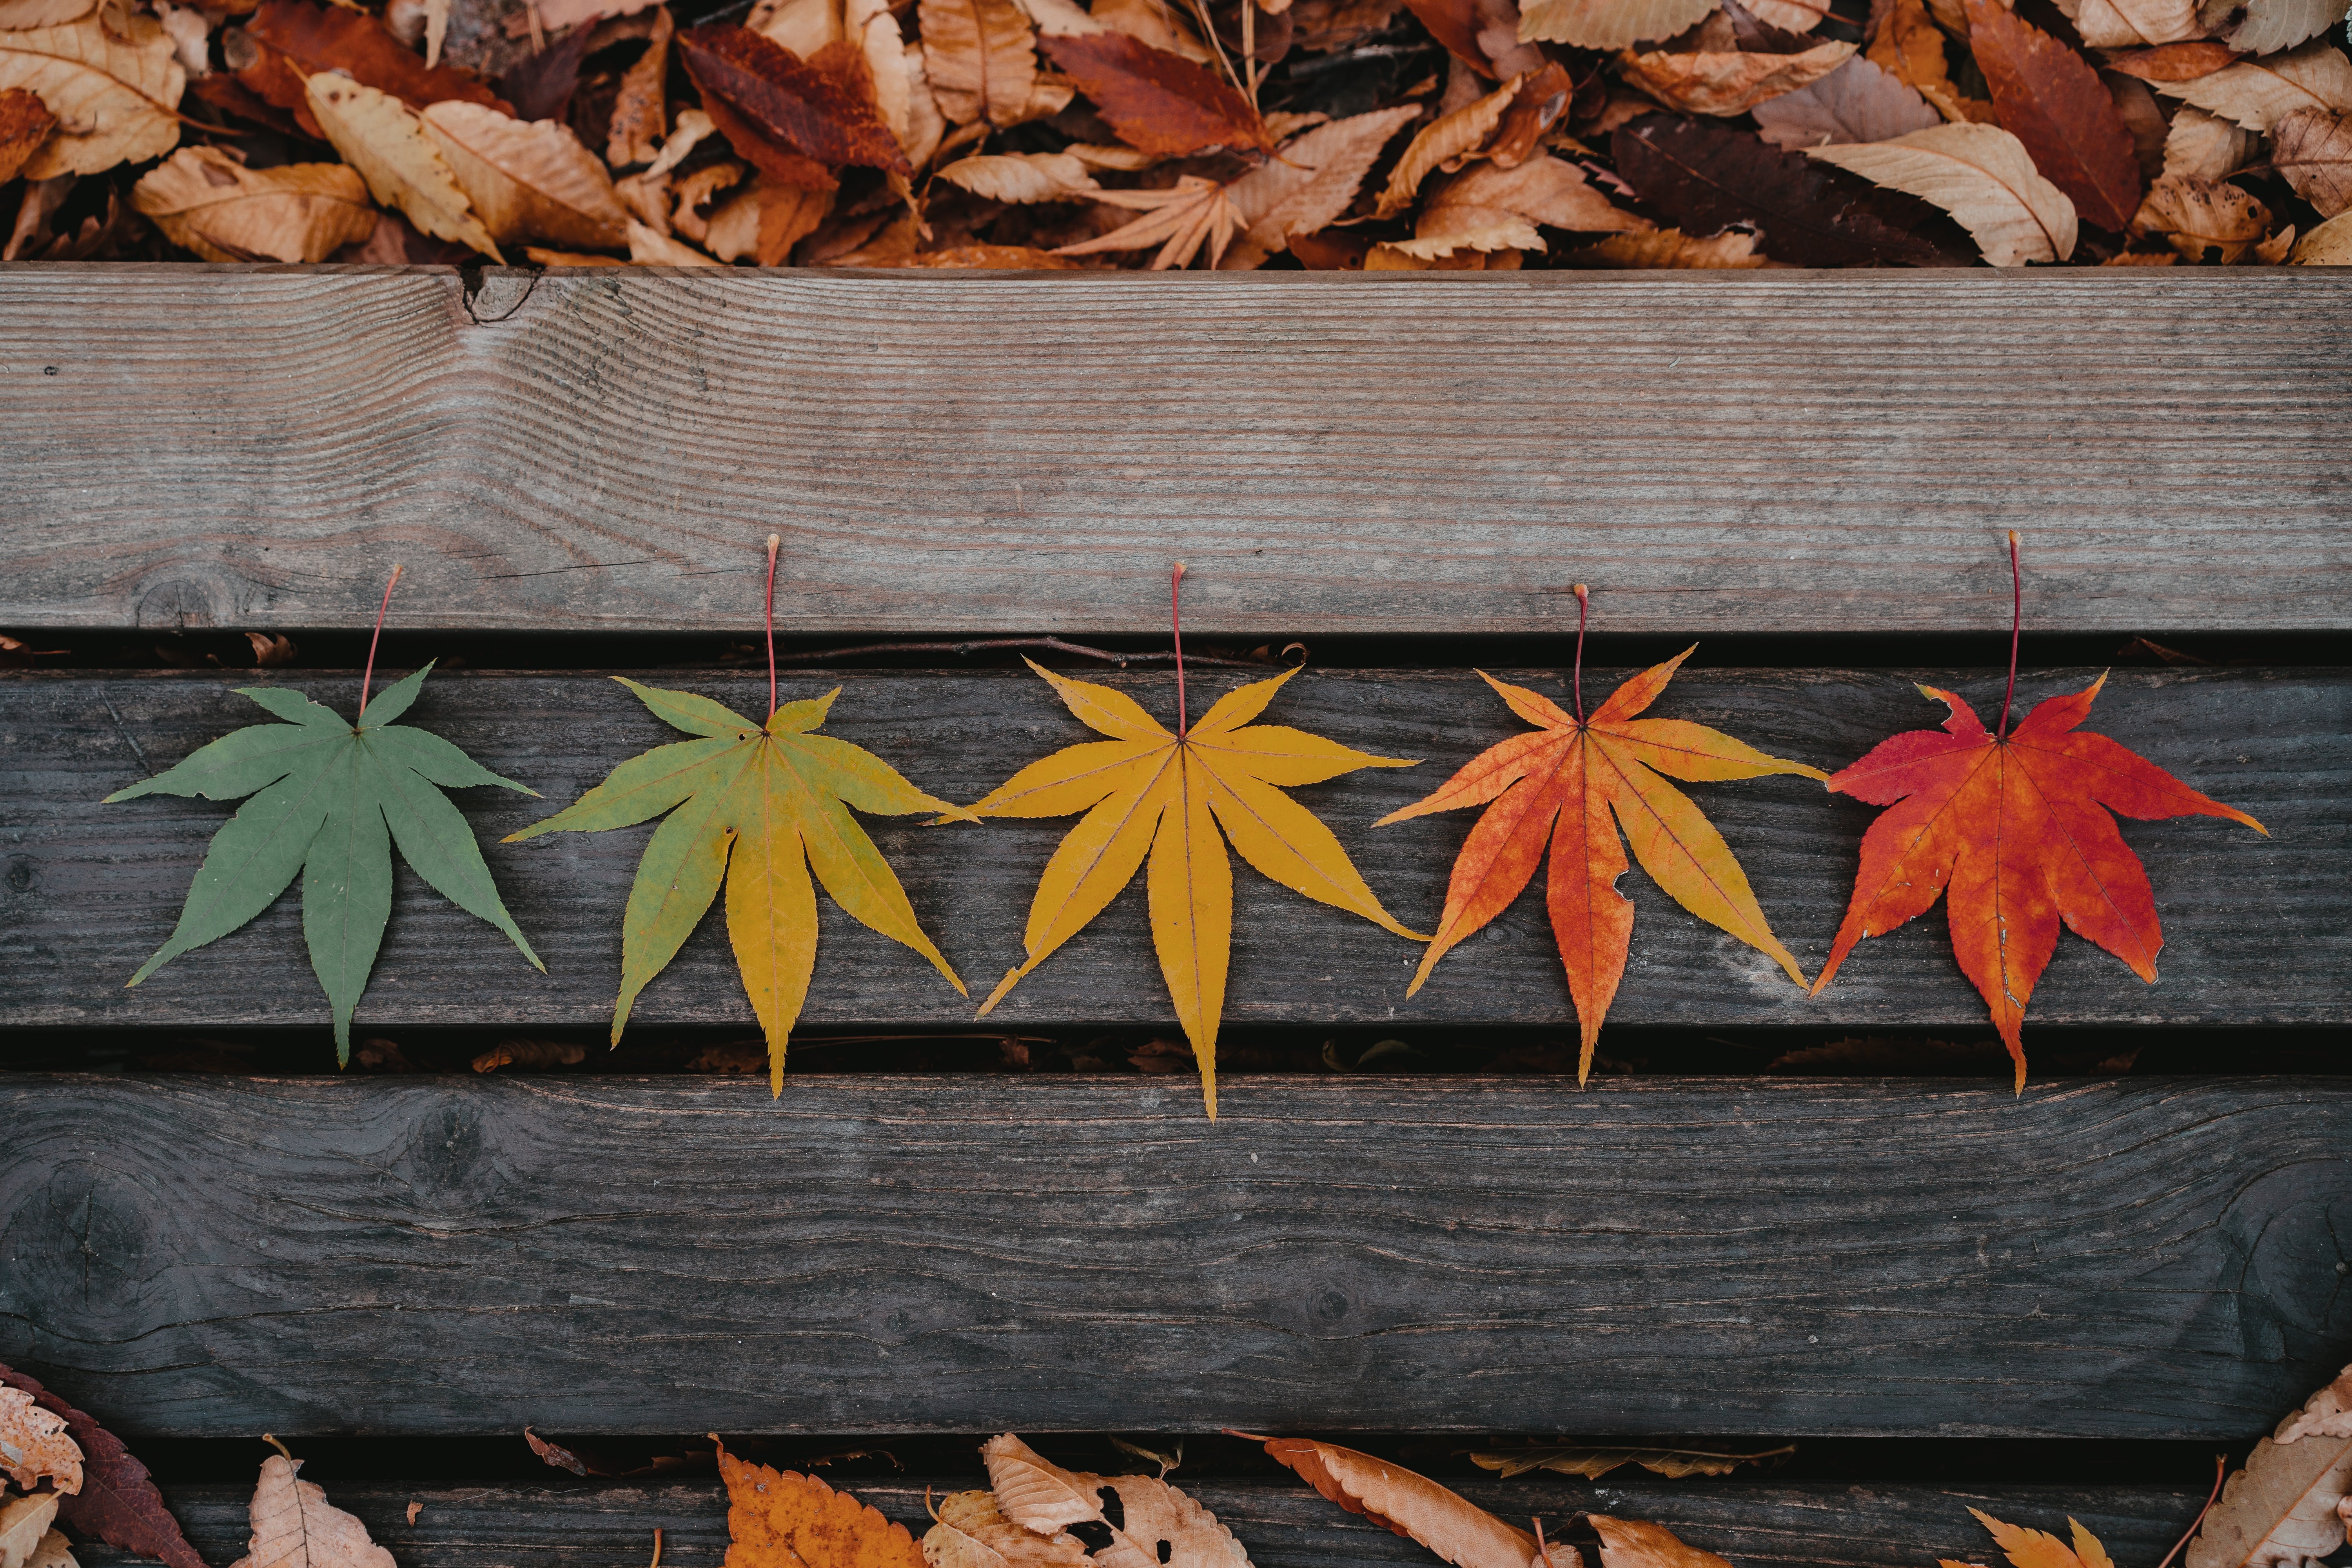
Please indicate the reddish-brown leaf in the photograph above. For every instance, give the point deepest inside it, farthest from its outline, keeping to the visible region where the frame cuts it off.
(298, 39)
(24, 123)
(1455, 24)
(2050, 98)
(796, 119)
(2015, 830)
(1705, 177)
(1157, 101)
(118, 1502)
(2175, 62)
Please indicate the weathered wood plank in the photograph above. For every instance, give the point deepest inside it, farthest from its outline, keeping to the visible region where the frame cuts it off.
(1819, 1523)
(2256, 929)
(253, 448)
(205, 1257)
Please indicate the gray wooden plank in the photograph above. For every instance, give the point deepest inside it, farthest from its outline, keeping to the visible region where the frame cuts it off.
(2255, 927)
(207, 1257)
(1282, 1525)
(253, 448)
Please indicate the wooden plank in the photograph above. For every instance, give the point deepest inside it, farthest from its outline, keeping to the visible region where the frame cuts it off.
(1824, 1524)
(253, 448)
(2255, 927)
(208, 1257)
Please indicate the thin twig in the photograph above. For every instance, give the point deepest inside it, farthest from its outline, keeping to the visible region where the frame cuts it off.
(990, 644)
(2220, 1468)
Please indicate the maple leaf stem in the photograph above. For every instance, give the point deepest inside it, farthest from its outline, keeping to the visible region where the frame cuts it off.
(768, 615)
(1176, 627)
(377, 639)
(1583, 609)
(2016, 623)
(2220, 1468)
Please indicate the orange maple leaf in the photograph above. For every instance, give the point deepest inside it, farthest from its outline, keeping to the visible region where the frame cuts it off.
(2012, 829)
(2039, 1549)
(780, 1519)
(1556, 787)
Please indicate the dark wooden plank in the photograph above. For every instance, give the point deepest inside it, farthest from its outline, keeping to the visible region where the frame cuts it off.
(2256, 928)
(253, 447)
(1821, 1523)
(208, 1257)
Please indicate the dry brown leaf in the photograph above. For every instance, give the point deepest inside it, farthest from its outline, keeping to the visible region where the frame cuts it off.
(207, 202)
(1411, 1505)
(2133, 24)
(24, 123)
(115, 96)
(1638, 1543)
(1592, 1463)
(647, 196)
(2196, 216)
(639, 122)
(538, 1055)
(2255, 93)
(2202, 146)
(2270, 25)
(190, 34)
(294, 1525)
(1714, 83)
(870, 24)
(973, 1532)
(1179, 220)
(2142, 118)
(692, 129)
(1671, 248)
(1442, 142)
(1160, 1526)
(1856, 102)
(691, 192)
(546, 258)
(1311, 183)
(996, 257)
(1157, 23)
(1023, 177)
(891, 243)
(1477, 206)
(1983, 176)
(978, 59)
(803, 27)
(17, 15)
(1796, 16)
(1909, 47)
(2312, 150)
(271, 652)
(2284, 1506)
(386, 141)
(24, 1524)
(764, 222)
(528, 180)
(2174, 62)
(2329, 245)
(52, 1550)
(1098, 155)
(1059, 16)
(1609, 23)
(34, 208)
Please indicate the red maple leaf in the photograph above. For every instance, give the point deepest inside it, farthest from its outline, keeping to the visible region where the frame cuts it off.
(2013, 830)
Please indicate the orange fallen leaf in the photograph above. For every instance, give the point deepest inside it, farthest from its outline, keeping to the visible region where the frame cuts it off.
(2014, 829)
(1149, 791)
(2039, 1549)
(1555, 789)
(34, 1446)
(1157, 101)
(1158, 1526)
(24, 123)
(780, 1519)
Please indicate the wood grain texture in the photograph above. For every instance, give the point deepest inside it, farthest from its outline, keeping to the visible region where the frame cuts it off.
(1282, 1525)
(253, 448)
(208, 1257)
(2254, 927)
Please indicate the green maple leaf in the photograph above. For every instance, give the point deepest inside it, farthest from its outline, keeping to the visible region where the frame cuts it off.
(755, 806)
(333, 798)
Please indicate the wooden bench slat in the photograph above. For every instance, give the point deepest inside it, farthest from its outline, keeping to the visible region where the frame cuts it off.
(210, 1257)
(253, 449)
(1820, 1524)
(2254, 927)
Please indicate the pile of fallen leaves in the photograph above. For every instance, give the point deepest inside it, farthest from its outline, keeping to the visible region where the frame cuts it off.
(1378, 134)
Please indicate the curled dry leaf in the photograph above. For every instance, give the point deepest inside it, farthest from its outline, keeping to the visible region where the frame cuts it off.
(1180, 219)
(971, 1532)
(34, 1446)
(24, 123)
(294, 1525)
(794, 119)
(529, 180)
(692, 129)
(115, 92)
(1609, 23)
(1856, 102)
(1060, 17)
(1441, 143)
(1156, 101)
(1984, 177)
(1484, 201)
(224, 211)
(779, 1519)
(1707, 177)
(2200, 216)
(1724, 84)
(2312, 150)
(2255, 93)
(2202, 146)
(765, 222)
(1311, 184)
(639, 121)
(386, 141)
(2174, 62)
(2051, 99)
(1023, 177)
(1160, 1527)
(298, 39)
(2270, 25)
(1672, 249)
(979, 59)
(1909, 47)
(533, 1056)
